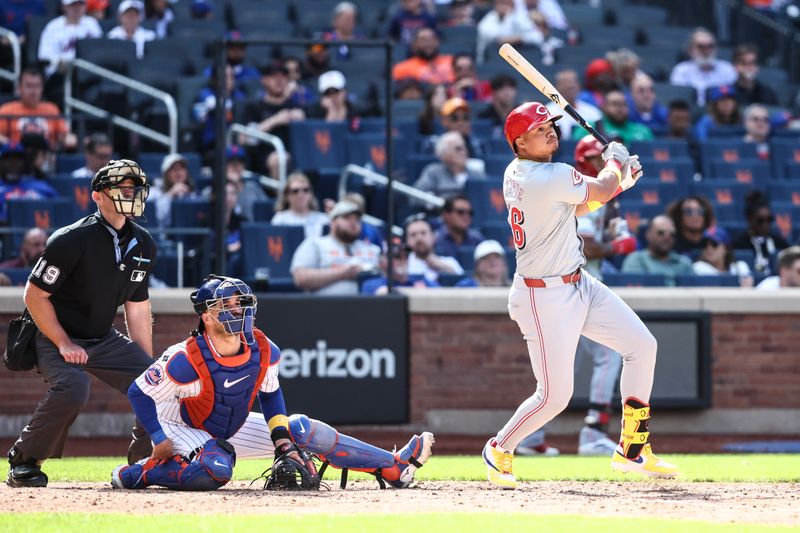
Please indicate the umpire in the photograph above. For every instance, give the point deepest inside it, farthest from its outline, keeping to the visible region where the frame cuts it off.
(87, 271)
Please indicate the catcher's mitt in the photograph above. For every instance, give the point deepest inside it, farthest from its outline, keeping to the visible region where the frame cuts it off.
(287, 473)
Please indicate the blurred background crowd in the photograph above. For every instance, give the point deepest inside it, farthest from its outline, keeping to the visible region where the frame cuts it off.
(705, 92)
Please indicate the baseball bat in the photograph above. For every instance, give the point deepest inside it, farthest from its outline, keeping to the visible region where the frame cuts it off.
(529, 72)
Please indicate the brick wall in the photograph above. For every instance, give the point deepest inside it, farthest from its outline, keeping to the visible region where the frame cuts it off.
(480, 362)
(21, 391)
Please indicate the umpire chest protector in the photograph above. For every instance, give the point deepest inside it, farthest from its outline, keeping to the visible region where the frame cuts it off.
(229, 385)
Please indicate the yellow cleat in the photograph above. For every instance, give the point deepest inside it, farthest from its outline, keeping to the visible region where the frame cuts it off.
(647, 463)
(499, 466)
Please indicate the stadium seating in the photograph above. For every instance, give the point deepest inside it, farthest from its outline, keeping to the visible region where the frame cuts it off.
(787, 218)
(487, 201)
(317, 144)
(678, 171)
(750, 171)
(267, 251)
(18, 276)
(47, 214)
(784, 151)
(693, 280)
(634, 280)
(723, 192)
(727, 150)
(660, 150)
(370, 149)
(784, 192)
(79, 191)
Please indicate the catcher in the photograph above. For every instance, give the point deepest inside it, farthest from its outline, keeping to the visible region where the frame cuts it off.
(195, 403)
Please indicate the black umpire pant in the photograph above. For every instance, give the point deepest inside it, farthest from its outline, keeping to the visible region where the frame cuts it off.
(114, 359)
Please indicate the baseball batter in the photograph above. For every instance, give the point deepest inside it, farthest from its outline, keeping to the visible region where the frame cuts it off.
(195, 402)
(554, 301)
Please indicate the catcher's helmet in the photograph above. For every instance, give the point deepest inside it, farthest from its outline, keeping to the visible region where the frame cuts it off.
(215, 291)
(587, 147)
(526, 117)
(115, 172)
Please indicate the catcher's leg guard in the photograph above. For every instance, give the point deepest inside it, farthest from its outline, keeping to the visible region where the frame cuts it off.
(634, 453)
(210, 469)
(346, 452)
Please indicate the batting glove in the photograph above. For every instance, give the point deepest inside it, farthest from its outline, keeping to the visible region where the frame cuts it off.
(631, 171)
(616, 151)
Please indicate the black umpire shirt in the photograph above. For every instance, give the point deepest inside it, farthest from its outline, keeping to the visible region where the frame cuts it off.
(90, 269)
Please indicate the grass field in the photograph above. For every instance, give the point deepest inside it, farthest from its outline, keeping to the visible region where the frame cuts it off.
(714, 468)
(238, 509)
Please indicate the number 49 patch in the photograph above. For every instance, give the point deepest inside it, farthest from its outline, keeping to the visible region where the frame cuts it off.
(577, 178)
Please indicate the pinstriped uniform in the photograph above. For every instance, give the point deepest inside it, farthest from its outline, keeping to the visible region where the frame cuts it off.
(551, 314)
(252, 439)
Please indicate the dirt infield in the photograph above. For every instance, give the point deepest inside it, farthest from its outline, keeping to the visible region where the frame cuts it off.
(755, 503)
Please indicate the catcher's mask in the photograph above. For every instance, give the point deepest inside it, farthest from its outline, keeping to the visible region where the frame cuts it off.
(215, 292)
(127, 199)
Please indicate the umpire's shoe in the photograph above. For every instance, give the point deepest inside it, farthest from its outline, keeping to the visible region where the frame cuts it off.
(23, 471)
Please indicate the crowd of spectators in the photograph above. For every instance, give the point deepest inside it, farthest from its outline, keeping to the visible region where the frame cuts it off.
(462, 98)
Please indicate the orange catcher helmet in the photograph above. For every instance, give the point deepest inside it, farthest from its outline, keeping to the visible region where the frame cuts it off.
(587, 147)
(524, 118)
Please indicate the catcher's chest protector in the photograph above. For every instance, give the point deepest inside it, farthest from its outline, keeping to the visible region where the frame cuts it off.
(228, 391)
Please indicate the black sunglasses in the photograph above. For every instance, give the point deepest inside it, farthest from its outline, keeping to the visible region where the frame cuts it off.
(463, 212)
(298, 191)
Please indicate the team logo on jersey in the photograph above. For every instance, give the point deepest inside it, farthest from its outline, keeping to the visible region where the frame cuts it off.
(154, 375)
(137, 275)
(577, 178)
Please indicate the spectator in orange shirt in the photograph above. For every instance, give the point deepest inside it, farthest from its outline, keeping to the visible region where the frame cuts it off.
(426, 64)
(30, 114)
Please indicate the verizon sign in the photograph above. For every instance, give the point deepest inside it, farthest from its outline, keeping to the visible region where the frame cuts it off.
(343, 360)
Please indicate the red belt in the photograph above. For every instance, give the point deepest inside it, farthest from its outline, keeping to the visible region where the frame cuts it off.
(569, 279)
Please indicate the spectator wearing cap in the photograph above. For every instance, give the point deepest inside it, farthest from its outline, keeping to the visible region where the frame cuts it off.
(369, 232)
(503, 100)
(174, 183)
(98, 150)
(467, 85)
(235, 55)
(456, 116)
(568, 84)
(400, 275)
(456, 230)
(57, 41)
(503, 24)
(426, 64)
(692, 216)
(759, 235)
(160, 14)
(644, 108)
(598, 80)
(788, 271)
(14, 16)
(317, 60)
(412, 15)
(272, 113)
(343, 28)
(30, 250)
(722, 110)
(702, 70)
(97, 9)
(748, 89)
(201, 9)
(250, 191)
(15, 182)
(659, 257)
(423, 259)
(491, 269)
(130, 14)
(206, 106)
(447, 177)
(32, 114)
(333, 263)
(333, 105)
(757, 128)
(616, 121)
(297, 206)
(716, 258)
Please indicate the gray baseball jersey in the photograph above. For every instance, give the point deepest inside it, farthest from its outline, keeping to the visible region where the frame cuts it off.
(541, 200)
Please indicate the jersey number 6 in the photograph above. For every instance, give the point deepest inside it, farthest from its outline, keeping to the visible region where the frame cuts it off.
(517, 219)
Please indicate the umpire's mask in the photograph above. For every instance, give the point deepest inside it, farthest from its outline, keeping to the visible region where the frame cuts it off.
(127, 199)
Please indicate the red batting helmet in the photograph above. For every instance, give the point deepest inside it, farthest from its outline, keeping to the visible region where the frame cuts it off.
(587, 147)
(524, 118)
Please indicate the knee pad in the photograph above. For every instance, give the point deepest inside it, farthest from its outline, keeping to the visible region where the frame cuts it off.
(212, 467)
